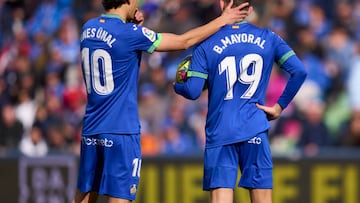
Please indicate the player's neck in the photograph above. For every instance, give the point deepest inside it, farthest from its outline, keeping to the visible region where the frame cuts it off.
(119, 12)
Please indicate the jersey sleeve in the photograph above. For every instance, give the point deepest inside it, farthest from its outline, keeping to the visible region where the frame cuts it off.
(144, 39)
(198, 66)
(197, 74)
(288, 61)
(191, 89)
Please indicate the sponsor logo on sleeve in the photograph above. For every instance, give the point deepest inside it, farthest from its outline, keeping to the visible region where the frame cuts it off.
(151, 35)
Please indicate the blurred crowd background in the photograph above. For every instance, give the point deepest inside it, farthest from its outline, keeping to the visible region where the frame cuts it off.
(42, 95)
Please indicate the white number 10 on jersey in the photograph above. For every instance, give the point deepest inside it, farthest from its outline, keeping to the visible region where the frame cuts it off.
(95, 63)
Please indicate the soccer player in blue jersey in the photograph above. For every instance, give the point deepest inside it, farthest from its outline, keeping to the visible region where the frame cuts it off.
(111, 48)
(236, 63)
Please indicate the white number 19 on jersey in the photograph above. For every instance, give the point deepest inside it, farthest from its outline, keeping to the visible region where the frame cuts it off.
(228, 65)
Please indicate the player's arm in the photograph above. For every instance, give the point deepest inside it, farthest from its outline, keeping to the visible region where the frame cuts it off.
(171, 42)
(191, 89)
(297, 72)
(272, 112)
(192, 74)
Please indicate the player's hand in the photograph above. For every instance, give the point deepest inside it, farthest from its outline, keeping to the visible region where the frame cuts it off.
(272, 112)
(138, 18)
(235, 15)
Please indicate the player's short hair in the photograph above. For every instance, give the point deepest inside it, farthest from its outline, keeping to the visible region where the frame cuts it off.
(237, 3)
(109, 4)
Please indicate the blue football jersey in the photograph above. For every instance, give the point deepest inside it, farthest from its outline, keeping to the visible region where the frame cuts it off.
(237, 61)
(111, 52)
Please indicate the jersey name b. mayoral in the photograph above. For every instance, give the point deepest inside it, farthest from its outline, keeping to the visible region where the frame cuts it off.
(237, 61)
(111, 52)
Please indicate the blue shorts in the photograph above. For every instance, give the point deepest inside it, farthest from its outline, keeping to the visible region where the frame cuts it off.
(110, 165)
(253, 157)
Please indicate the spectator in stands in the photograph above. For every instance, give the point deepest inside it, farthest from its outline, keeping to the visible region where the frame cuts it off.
(3, 92)
(33, 144)
(151, 109)
(353, 80)
(11, 129)
(344, 15)
(66, 44)
(314, 132)
(356, 16)
(339, 46)
(319, 25)
(41, 118)
(175, 142)
(56, 139)
(25, 109)
(350, 135)
(197, 120)
(150, 144)
(46, 19)
(285, 136)
(310, 53)
(176, 133)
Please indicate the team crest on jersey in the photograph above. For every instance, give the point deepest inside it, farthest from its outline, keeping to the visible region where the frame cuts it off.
(133, 189)
(149, 34)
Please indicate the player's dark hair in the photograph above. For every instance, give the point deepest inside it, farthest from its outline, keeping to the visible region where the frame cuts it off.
(237, 3)
(109, 4)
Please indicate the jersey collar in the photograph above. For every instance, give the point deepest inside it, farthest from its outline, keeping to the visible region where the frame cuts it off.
(108, 15)
(242, 22)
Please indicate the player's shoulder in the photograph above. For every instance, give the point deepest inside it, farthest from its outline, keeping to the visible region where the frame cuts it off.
(90, 23)
(264, 30)
(268, 34)
(141, 32)
(106, 21)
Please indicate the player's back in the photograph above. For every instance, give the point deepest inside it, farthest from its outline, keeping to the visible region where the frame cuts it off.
(111, 54)
(239, 59)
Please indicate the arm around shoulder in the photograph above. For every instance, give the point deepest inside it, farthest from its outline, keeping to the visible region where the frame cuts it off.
(172, 42)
